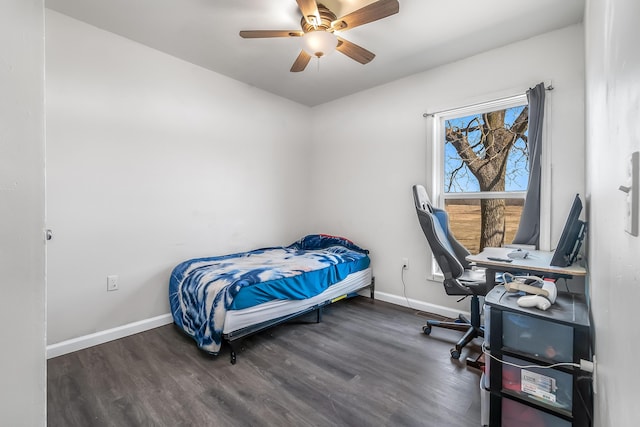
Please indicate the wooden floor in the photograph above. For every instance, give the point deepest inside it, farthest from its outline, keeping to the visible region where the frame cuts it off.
(364, 365)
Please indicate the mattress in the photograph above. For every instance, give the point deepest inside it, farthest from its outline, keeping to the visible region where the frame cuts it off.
(240, 319)
(203, 290)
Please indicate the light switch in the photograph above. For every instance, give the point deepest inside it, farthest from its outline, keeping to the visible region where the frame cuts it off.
(631, 188)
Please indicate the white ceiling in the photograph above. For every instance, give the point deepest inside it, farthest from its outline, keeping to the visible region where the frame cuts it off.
(423, 35)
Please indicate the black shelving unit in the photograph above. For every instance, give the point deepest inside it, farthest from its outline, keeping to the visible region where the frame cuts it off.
(524, 389)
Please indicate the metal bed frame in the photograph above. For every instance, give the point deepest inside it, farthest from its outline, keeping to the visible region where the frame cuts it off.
(233, 336)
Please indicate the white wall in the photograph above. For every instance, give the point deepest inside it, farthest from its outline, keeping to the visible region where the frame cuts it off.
(22, 248)
(613, 133)
(151, 161)
(370, 148)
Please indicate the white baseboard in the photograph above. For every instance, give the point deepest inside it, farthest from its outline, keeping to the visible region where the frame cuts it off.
(86, 341)
(420, 305)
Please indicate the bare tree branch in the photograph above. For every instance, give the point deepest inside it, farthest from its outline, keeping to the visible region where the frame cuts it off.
(484, 145)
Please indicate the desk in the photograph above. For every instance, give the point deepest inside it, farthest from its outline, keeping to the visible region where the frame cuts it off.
(536, 262)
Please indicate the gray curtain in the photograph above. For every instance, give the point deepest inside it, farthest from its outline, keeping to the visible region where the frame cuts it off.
(529, 227)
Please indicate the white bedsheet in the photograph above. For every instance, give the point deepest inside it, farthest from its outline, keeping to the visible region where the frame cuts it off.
(238, 319)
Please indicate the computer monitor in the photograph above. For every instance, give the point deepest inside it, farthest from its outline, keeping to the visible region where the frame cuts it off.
(571, 238)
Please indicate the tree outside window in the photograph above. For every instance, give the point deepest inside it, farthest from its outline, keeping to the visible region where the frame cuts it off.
(486, 172)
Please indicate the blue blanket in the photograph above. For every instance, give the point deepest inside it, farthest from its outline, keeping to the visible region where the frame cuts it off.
(202, 290)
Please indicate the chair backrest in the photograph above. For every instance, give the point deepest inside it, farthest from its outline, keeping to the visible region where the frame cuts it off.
(448, 252)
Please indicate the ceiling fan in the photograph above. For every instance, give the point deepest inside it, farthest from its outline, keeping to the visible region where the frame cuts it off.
(318, 26)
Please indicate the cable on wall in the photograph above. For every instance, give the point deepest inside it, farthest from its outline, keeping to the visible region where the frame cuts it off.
(404, 286)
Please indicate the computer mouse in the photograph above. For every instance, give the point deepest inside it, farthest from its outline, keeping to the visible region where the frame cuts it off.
(518, 254)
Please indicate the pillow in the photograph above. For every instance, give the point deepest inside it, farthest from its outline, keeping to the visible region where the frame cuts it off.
(323, 241)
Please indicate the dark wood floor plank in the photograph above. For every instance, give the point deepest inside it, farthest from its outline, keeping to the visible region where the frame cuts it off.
(364, 365)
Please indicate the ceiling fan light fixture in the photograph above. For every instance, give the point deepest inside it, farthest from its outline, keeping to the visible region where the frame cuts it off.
(319, 43)
(318, 28)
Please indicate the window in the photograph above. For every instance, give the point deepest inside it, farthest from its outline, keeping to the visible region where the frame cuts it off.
(481, 159)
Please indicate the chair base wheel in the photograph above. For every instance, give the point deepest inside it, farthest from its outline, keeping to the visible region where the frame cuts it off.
(455, 353)
(426, 329)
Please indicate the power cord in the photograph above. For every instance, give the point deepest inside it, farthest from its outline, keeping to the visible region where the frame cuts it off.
(404, 286)
(521, 279)
(404, 293)
(584, 365)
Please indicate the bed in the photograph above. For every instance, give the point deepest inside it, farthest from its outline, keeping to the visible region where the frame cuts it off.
(226, 298)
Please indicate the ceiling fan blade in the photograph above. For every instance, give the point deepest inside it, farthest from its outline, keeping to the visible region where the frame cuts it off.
(373, 12)
(261, 34)
(309, 9)
(301, 62)
(355, 52)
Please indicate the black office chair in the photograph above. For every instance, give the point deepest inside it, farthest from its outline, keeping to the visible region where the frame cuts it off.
(459, 278)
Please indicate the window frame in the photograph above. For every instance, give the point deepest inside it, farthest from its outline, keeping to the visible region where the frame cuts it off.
(435, 161)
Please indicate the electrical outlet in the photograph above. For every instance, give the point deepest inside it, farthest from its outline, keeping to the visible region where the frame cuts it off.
(112, 283)
(405, 263)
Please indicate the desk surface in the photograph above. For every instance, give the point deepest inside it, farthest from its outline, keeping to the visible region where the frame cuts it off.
(539, 261)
